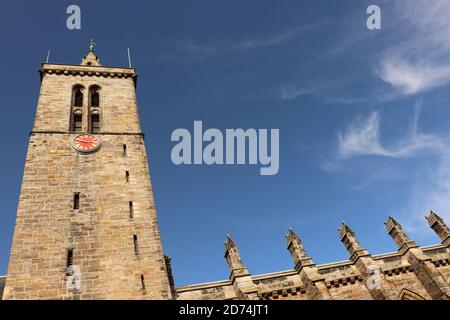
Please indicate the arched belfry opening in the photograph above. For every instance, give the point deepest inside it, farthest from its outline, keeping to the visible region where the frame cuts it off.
(94, 96)
(77, 96)
(94, 109)
(76, 112)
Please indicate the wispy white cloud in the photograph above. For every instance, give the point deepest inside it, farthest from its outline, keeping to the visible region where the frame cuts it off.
(362, 137)
(413, 78)
(381, 176)
(322, 92)
(290, 92)
(421, 62)
(188, 45)
(195, 50)
(270, 40)
(413, 57)
(213, 48)
(430, 188)
(431, 192)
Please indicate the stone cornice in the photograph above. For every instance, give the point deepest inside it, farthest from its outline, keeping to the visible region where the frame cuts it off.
(274, 275)
(433, 247)
(344, 263)
(441, 262)
(98, 133)
(343, 281)
(285, 292)
(87, 71)
(390, 271)
(202, 286)
(382, 256)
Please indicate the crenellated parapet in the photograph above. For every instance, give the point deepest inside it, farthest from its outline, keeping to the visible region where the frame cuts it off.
(413, 272)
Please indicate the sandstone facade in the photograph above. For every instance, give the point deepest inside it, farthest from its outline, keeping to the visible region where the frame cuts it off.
(101, 235)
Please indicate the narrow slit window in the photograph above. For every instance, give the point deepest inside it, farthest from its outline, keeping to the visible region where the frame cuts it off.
(131, 210)
(125, 150)
(69, 258)
(127, 176)
(95, 123)
(77, 123)
(76, 201)
(142, 282)
(136, 245)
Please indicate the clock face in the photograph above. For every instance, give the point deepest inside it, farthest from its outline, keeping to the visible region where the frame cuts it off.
(86, 143)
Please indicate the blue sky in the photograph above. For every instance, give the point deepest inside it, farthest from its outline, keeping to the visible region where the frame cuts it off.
(362, 117)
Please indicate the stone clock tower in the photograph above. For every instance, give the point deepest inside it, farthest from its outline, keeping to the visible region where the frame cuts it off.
(86, 223)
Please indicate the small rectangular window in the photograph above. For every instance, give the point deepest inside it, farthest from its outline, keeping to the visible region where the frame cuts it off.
(127, 176)
(136, 246)
(76, 201)
(69, 258)
(95, 123)
(124, 150)
(131, 210)
(77, 125)
(142, 282)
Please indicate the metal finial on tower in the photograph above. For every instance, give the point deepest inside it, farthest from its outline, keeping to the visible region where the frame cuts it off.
(92, 45)
(91, 59)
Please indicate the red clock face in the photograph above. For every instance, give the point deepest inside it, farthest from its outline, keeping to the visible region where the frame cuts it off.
(86, 143)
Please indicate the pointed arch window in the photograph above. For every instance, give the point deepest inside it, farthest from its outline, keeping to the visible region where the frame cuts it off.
(76, 112)
(77, 96)
(94, 96)
(94, 109)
